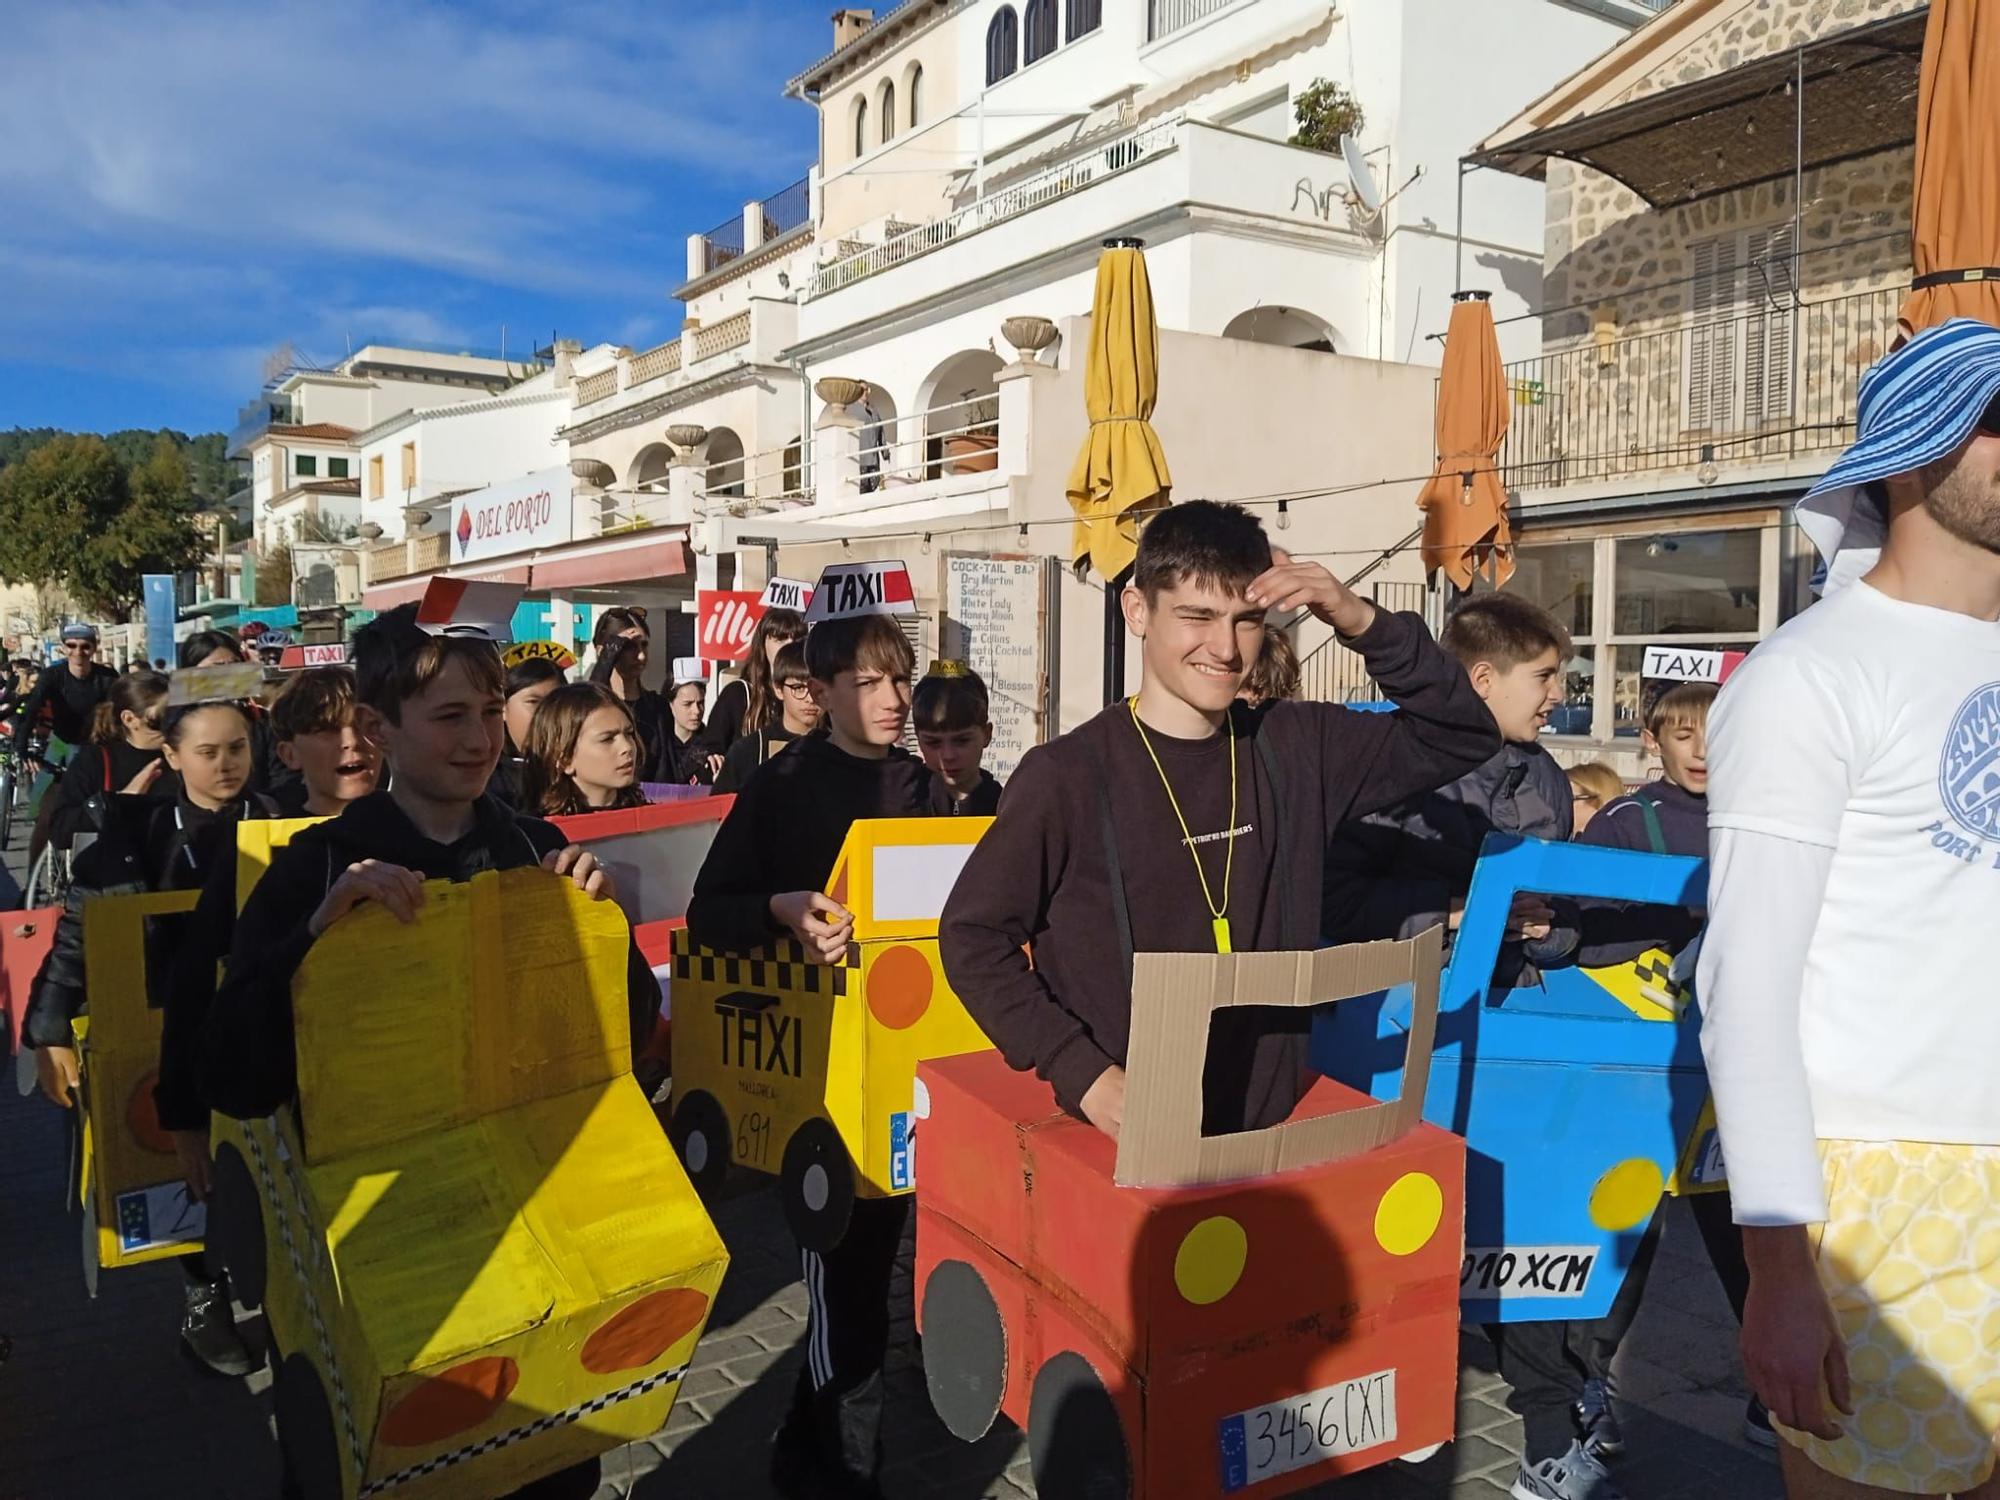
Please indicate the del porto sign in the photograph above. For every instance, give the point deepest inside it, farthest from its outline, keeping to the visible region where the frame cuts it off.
(516, 515)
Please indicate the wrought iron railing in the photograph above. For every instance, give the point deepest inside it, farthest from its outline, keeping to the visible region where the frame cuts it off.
(1058, 181)
(1761, 384)
(1331, 673)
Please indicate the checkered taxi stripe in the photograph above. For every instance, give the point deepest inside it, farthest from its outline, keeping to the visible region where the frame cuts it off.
(777, 966)
(539, 1425)
(1655, 972)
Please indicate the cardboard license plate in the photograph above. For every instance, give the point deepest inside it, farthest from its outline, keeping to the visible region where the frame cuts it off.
(1346, 1417)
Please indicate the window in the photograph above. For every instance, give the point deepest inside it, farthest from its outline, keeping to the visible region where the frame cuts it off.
(305, 465)
(409, 466)
(1040, 25)
(375, 477)
(1003, 45)
(888, 113)
(1562, 578)
(861, 127)
(1738, 354)
(1082, 17)
(336, 468)
(916, 95)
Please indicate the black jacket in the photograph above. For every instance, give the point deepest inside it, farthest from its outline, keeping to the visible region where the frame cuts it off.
(725, 718)
(1395, 873)
(94, 776)
(146, 845)
(69, 700)
(1614, 932)
(983, 801)
(786, 829)
(249, 1067)
(750, 752)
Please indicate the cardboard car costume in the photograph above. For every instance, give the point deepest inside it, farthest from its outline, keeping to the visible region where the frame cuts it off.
(808, 1070)
(1576, 1111)
(479, 1261)
(1253, 1313)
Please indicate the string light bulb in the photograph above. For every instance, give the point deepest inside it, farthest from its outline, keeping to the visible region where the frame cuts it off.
(1024, 533)
(926, 548)
(1465, 487)
(846, 545)
(1284, 515)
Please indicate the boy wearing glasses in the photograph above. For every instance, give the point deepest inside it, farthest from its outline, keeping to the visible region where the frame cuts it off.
(798, 717)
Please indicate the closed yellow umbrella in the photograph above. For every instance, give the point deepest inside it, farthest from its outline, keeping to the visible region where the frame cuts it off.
(1955, 220)
(1464, 503)
(1121, 474)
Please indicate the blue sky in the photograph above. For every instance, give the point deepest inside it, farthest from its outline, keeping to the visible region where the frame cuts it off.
(187, 184)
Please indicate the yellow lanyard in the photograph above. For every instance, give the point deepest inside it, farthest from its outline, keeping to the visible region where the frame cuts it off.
(1218, 916)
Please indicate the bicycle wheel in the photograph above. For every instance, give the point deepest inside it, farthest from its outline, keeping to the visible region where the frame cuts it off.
(6, 804)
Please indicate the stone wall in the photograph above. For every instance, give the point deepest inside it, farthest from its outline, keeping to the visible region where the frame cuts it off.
(1757, 29)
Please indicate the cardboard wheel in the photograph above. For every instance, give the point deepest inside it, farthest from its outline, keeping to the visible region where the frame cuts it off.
(965, 1355)
(236, 1225)
(816, 1186)
(307, 1444)
(1076, 1444)
(700, 1136)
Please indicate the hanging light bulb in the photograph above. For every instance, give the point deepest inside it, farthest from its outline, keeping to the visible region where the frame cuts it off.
(1750, 126)
(1284, 515)
(926, 548)
(1024, 533)
(845, 545)
(1465, 487)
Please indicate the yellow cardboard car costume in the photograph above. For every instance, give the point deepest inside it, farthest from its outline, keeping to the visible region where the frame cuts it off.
(809, 1071)
(479, 1260)
(136, 1206)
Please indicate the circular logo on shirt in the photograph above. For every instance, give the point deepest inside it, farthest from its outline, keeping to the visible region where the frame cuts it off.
(1969, 765)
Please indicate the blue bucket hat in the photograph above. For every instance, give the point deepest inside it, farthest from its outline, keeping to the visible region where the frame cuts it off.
(1916, 406)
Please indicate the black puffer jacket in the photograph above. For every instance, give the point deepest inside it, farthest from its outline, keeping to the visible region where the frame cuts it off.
(249, 1065)
(145, 845)
(1395, 873)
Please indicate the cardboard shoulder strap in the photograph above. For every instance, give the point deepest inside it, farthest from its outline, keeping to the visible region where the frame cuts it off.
(1175, 997)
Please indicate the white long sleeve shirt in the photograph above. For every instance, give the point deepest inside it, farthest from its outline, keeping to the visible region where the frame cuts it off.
(1846, 986)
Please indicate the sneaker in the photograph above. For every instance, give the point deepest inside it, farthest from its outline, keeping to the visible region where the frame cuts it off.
(1757, 1427)
(1596, 1423)
(1573, 1476)
(208, 1331)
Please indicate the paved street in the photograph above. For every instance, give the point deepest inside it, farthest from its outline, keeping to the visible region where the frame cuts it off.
(96, 1402)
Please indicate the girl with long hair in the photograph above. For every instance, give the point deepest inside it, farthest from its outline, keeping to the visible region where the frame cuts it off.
(583, 754)
(624, 642)
(750, 704)
(529, 683)
(122, 758)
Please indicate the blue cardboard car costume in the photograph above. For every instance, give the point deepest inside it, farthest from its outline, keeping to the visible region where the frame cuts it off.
(1575, 1110)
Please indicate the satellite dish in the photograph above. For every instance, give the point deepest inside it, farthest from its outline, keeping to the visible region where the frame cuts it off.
(1365, 192)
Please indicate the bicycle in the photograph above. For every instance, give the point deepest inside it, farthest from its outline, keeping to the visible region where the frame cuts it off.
(10, 781)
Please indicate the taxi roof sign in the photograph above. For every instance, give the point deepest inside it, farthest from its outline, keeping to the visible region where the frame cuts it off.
(466, 607)
(863, 588)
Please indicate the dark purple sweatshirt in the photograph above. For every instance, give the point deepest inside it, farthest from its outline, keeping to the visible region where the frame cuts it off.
(1040, 876)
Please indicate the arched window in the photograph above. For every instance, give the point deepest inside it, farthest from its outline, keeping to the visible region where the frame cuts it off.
(1040, 25)
(860, 127)
(916, 95)
(888, 113)
(1082, 18)
(1003, 45)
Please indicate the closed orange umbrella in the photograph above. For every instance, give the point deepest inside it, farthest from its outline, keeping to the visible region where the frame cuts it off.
(1464, 505)
(1955, 225)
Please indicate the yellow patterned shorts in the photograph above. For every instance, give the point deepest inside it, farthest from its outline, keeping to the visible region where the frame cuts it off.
(1910, 1257)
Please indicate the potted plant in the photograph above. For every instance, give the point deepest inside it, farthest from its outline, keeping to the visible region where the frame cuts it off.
(975, 449)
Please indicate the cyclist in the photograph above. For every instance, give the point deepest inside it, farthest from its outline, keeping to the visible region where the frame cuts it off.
(71, 689)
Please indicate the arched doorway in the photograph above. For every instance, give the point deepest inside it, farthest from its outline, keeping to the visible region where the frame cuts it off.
(960, 403)
(725, 463)
(1287, 327)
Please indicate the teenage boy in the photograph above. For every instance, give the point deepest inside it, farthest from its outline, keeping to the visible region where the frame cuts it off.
(954, 726)
(1183, 820)
(799, 714)
(765, 877)
(1409, 868)
(436, 705)
(1667, 816)
(1846, 976)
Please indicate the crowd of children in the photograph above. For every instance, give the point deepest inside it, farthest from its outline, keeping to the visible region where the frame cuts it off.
(1212, 811)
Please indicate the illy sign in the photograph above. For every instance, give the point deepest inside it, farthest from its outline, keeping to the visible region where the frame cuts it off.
(725, 619)
(516, 515)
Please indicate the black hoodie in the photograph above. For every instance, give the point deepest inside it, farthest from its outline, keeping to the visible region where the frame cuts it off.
(786, 829)
(250, 1066)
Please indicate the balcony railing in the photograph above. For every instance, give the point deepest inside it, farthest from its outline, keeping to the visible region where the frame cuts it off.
(1331, 673)
(732, 332)
(1058, 181)
(1165, 17)
(784, 211)
(424, 553)
(597, 387)
(661, 359)
(1760, 385)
